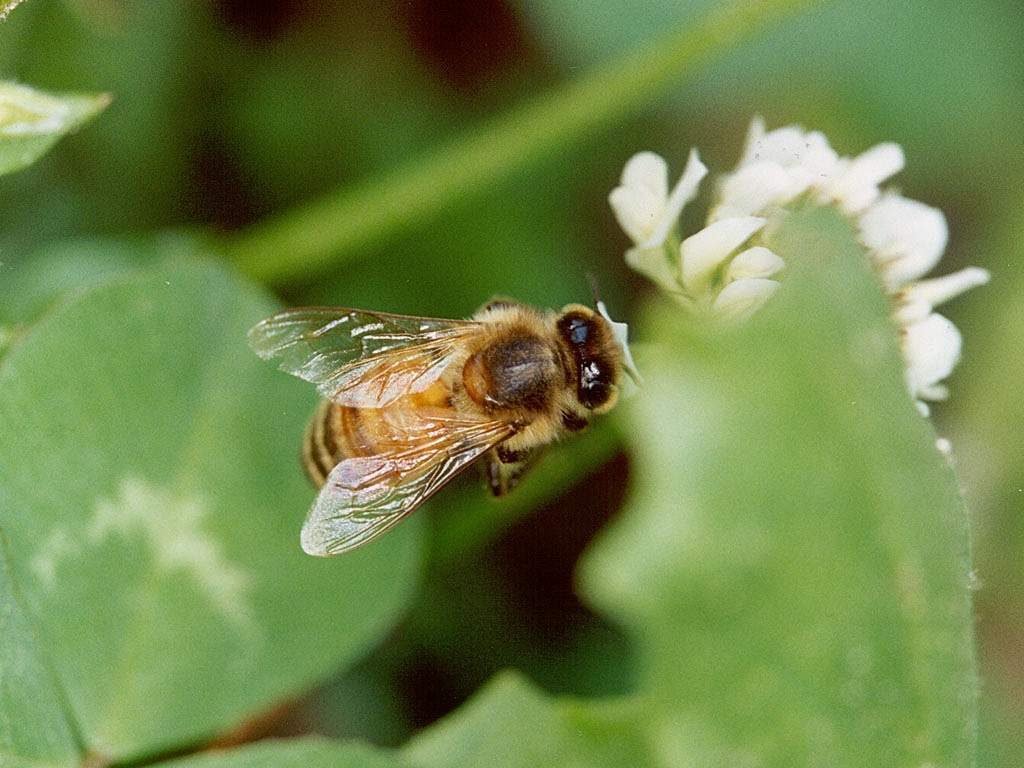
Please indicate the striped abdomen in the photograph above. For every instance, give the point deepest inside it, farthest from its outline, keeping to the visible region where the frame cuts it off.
(338, 432)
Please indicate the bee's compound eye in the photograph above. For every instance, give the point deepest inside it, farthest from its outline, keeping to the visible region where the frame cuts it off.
(575, 329)
(594, 385)
(579, 331)
(595, 395)
(594, 372)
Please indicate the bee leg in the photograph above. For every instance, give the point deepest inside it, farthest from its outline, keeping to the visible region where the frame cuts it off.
(503, 468)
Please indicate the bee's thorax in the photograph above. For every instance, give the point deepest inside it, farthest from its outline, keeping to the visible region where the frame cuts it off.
(516, 372)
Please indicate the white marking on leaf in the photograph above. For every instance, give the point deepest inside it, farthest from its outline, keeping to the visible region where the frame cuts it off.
(171, 527)
(56, 548)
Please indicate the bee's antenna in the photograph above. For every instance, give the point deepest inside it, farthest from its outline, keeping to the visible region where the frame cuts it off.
(595, 290)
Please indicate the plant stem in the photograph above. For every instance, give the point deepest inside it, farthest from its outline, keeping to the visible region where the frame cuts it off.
(324, 233)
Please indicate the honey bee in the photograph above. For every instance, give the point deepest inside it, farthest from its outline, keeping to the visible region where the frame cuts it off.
(410, 402)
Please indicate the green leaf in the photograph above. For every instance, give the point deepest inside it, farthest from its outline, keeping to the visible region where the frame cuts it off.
(57, 270)
(32, 121)
(510, 724)
(30, 286)
(150, 489)
(291, 753)
(34, 730)
(794, 559)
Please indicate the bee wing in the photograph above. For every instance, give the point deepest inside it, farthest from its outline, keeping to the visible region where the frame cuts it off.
(365, 496)
(358, 358)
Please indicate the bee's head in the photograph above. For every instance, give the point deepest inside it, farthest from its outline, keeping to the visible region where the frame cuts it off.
(597, 359)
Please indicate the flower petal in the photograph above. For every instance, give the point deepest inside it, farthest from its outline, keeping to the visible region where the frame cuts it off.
(755, 135)
(756, 187)
(818, 159)
(636, 209)
(908, 312)
(857, 186)
(906, 238)
(620, 331)
(742, 298)
(684, 191)
(934, 392)
(653, 264)
(784, 146)
(704, 252)
(753, 262)
(931, 349)
(649, 171)
(941, 289)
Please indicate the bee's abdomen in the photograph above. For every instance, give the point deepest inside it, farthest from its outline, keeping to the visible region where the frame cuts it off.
(319, 446)
(336, 432)
(517, 373)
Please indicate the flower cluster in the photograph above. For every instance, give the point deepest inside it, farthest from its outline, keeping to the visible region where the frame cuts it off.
(723, 269)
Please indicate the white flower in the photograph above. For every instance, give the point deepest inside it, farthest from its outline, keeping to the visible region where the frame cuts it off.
(778, 166)
(754, 262)
(775, 168)
(25, 111)
(725, 268)
(905, 238)
(855, 184)
(621, 333)
(800, 152)
(648, 212)
(918, 299)
(930, 343)
(642, 203)
(931, 349)
(747, 286)
(742, 298)
(743, 286)
(705, 270)
(703, 253)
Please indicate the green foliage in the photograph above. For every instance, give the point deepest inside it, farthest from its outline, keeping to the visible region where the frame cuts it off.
(59, 270)
(33, 726)
(296, 753)
(149, 491)
(794, 560)
(791, 566)
(510, 724)
(797, 594)
(990, 459)
(32, 121)
(56, 271)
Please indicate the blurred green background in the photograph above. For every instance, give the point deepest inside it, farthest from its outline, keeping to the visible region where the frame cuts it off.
(227, 113)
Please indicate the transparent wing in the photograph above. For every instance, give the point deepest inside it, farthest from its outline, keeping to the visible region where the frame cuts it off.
(358, 358)
(365, 496)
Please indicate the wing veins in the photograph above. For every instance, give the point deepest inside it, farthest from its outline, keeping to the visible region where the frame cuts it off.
(358, 358)
(345, 517)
